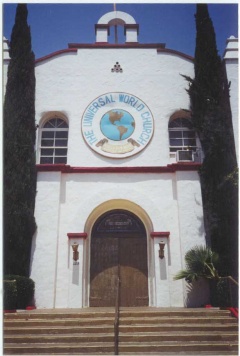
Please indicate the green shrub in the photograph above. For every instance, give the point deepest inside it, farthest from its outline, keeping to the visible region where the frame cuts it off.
(9, 294)
(25, 290)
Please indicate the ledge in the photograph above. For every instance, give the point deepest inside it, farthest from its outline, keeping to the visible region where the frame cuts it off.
(160, 234)
(114, 45)
(170, 168)
(177, 53)
(73, 235)
(54, 54)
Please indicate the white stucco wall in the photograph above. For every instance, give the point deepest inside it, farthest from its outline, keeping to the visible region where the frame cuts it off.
(65, 202)
(6, 59)
(232, 74)
(231, 63)
(160, 196)
(45, 242)
(68, 83)
(71, 202)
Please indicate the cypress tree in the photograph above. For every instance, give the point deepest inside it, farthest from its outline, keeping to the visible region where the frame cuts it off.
(19, 153)
(209, 96)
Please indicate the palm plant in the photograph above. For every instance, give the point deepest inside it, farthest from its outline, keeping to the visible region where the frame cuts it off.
(200, 263)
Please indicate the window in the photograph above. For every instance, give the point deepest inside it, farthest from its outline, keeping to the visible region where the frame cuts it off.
(181, 135)
(54, 140)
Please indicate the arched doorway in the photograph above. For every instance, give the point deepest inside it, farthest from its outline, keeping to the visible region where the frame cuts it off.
(118, 250)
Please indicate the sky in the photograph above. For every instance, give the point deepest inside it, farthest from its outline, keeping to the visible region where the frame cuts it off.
(54, 25)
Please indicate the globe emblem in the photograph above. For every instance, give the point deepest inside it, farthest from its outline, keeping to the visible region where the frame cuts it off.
(117, 125)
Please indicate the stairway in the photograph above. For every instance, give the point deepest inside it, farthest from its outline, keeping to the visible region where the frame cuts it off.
(159, 331)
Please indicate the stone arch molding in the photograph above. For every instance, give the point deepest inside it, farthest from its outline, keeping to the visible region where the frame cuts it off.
(118, 204)
(51, 115)
(115, 18)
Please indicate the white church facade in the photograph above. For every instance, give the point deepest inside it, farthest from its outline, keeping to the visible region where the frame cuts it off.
(118, 190)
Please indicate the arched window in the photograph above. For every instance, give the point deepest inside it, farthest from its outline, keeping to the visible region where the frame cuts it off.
(54, 140)
(182, 135)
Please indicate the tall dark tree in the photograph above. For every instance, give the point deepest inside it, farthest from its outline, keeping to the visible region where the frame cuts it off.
(209, 95)
(19, 154)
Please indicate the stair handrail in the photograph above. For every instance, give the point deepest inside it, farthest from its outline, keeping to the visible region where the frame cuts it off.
(116, 321)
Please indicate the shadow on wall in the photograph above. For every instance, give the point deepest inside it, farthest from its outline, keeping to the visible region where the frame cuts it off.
(75, 275)
(163, 269)
(197, 294)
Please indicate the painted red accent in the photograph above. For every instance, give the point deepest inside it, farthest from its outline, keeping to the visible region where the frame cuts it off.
(72, 235)
(234, 312)
(172, 51)
(73, 47)
(208, 306)
(10, 311)
(160, 234)
(131, 26)
(102, 26)
(116, 45)
(30, 307)
(54, 54)
(170, 168)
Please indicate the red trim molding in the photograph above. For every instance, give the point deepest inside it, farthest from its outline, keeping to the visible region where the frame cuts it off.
(54, 54)
(160, 234)
(114, 45)
(103, 27)
(170, 168)
(177, 53)
(73, 47)
(73, 235)
(131, 26)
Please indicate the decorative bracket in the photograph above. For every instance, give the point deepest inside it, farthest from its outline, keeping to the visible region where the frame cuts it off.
(162, 235)
(75, 252)
(161, 250)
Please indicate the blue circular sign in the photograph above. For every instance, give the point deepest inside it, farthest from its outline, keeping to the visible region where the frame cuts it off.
(117, 125)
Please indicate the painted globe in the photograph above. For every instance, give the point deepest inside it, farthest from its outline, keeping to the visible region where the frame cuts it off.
(117, 125)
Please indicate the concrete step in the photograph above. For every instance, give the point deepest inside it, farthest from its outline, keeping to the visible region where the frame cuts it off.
(153, 331)
(123, 320)
(58, 330)
(60, 315)
(129, 329)
(104, 348)
(85, 338)
(186, 353)
(177, 320)
(58, 322)
(133, 312)
(177, 347)
(48, 349)
(177, 336)
(180, 312)
(183, 327)
(133, 338)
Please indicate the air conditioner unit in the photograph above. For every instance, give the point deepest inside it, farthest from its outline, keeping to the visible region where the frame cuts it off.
(185, 156)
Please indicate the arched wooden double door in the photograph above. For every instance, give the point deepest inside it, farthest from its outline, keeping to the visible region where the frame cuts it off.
(119, 250)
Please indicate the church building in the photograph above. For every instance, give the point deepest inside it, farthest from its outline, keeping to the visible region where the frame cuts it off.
(118, 200)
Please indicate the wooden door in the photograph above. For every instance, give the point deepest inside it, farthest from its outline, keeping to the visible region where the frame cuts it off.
(119, 249)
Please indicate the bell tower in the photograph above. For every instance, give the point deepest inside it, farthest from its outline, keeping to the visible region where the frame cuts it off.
(116, 18)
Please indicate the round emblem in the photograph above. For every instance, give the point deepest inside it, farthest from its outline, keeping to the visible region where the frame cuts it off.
(117, 125)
